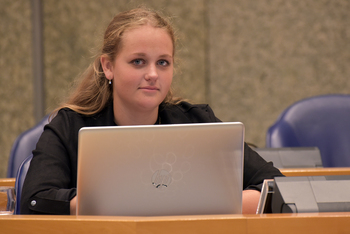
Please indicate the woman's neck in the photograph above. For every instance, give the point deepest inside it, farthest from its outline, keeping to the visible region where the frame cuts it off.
(124, 117)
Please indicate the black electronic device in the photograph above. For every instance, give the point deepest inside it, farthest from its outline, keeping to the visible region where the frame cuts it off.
(311, 194)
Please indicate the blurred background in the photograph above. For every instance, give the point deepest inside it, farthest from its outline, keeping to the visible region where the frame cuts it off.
(248, 59)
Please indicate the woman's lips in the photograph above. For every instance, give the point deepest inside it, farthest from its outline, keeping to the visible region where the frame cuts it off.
(149, 88)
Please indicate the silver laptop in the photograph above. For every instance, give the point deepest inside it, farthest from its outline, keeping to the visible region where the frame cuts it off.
(157, 170)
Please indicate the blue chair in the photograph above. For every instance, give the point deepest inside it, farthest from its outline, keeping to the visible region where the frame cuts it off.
(23, 146)
(320, 121)
(20, 177)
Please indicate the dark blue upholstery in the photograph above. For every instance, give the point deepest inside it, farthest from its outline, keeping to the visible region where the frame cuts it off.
(23, 147)
(320, 121)
(21, 175)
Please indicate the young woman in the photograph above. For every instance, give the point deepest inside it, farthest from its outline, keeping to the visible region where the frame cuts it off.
(129, 83)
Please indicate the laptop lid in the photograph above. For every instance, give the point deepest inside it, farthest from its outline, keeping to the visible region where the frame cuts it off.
(157, 170)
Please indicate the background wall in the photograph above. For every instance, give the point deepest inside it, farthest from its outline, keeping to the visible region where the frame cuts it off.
(248, 59)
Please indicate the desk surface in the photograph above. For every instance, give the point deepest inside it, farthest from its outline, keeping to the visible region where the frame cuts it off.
(218, 224)
(316, 171)
(7, 182)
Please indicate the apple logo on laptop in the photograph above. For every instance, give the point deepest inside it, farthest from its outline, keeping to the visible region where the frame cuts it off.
(161, 179)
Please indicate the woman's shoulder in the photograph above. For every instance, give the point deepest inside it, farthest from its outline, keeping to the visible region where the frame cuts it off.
(67, 115)
(71, 117)
(64, 120)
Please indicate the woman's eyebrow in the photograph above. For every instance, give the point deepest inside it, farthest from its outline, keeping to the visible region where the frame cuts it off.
(144, 55)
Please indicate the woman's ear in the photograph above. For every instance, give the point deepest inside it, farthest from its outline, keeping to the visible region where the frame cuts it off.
(107, 67)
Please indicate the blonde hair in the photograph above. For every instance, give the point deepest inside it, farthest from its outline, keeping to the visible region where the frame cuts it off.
(94, 92)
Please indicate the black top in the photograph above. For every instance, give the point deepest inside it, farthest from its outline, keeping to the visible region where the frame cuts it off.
(51, 180)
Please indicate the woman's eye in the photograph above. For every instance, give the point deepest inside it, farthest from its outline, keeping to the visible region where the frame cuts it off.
(163, 62)
(138, 61)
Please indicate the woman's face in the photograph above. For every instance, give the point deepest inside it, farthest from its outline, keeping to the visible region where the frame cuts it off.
(143, 69)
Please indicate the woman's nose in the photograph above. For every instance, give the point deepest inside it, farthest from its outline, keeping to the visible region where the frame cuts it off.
(152, 73)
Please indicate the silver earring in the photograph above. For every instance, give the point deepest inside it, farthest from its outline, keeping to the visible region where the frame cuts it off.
(110, 82)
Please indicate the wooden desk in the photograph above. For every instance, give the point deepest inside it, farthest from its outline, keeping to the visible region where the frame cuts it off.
(214, 224)
(7, 182)
(316, 171)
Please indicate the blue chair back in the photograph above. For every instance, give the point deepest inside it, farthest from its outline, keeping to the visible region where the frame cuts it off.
(320, 121)
(20, 177)
(23, 146)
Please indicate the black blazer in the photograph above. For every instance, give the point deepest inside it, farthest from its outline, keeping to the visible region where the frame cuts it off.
(52, 176)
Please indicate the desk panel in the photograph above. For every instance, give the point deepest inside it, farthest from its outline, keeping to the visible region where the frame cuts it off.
(330, 223)
(102, 224)
(219, 224)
